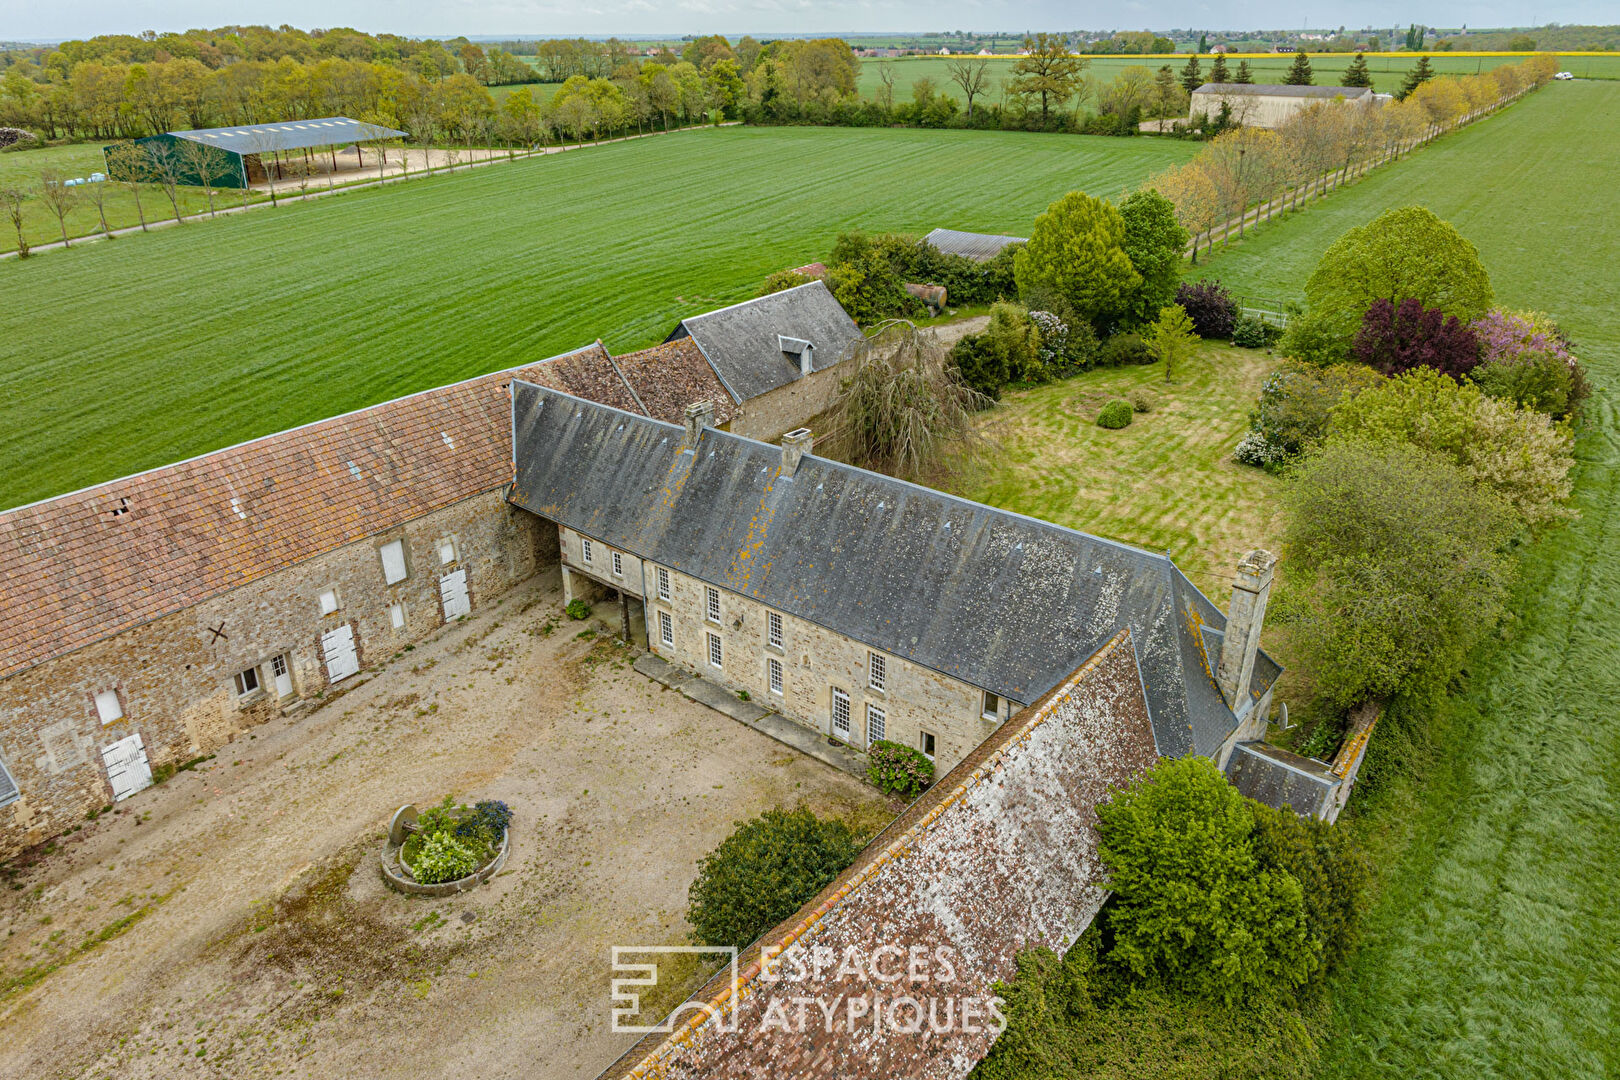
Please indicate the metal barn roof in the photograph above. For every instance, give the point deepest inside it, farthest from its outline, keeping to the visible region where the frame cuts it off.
(972, 245)
(992, 598)
(288, 135)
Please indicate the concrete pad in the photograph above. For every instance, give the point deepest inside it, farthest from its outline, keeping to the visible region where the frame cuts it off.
(780, 728)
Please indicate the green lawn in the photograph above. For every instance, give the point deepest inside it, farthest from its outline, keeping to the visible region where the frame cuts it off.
(121, 356)
(23, 168)
(1167, 482)
(1495, 947)
(1388, 72)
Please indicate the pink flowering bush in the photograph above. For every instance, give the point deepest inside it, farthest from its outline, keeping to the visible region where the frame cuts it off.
(1526, 360)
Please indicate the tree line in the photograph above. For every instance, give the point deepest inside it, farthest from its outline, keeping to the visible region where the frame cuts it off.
(1321, 144)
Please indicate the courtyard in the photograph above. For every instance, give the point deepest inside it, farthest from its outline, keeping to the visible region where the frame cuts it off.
(232, 921)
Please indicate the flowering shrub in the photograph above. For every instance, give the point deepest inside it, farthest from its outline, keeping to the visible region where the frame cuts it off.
(1066, 346)
(898, 770)
(1397, 339)
(441, 858)
(1255, 449)
(1292, 414)
(452, 841)
(1526, 359)
(1213, 311)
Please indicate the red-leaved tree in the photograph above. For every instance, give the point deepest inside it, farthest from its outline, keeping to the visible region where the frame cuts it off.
(1397, 339)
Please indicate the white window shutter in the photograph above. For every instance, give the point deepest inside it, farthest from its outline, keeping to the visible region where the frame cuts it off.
(393, 561)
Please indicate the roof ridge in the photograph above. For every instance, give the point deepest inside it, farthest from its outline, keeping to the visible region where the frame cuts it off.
(128, 477)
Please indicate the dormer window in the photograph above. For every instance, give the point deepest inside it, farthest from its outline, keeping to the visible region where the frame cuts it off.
(798, 350)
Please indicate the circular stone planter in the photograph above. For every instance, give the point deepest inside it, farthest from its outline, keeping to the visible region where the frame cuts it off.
(400, 879)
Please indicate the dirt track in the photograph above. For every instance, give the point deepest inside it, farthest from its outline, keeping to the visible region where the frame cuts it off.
(234, 923)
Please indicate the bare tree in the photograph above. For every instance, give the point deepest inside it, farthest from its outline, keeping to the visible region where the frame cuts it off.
(126, 163)
(59, 197)
(209, 164)
(972, 74)
(885, 72)
(12, 198)
(96, 193)
(165, 168)
(903, 410)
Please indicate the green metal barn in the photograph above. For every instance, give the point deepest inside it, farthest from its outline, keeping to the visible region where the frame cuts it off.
(234, 157)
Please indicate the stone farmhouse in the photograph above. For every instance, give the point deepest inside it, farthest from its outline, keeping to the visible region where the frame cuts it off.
(153, 618)
(1269, 105)
(865, 607)
(775, 356)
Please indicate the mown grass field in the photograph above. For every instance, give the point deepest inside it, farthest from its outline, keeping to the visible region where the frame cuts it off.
(1167, 482)
(1494, 949)
(121, 356)
(22, 168)
(1387, 72)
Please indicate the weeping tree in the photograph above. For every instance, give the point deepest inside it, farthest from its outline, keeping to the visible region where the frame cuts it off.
(904, 410)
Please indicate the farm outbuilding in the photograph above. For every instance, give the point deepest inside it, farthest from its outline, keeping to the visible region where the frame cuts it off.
(235, 157)
(1268, 105)
(980, 247)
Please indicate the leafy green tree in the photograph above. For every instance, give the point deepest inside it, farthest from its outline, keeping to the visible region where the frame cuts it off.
(1194, 908)
(1421, 73)
(1173, 337)
(1403, 254)
(1395, 567)
(1077, 250)
(1328, 865)
(1299, 73)
(1244, 76)
(765, 871)
(1154, 241)
(1192, 76)
(1203, 43)
(1049, 72)
(1357, 74)
(1218, 72)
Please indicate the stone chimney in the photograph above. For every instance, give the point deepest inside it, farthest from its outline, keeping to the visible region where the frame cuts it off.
(699, 415)
(1251, 588)
(795, 444)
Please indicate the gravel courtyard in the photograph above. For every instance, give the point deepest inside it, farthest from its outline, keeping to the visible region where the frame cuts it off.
(232, 921)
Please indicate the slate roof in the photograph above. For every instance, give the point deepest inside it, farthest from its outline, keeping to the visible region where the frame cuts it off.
(998, 600)
(981, 247)
(1278, 778)
(742, 342)
(1282, 90)
(667, 378)
(84, 566)
(288, 135)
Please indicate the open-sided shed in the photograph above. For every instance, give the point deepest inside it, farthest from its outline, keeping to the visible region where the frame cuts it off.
(234, 157)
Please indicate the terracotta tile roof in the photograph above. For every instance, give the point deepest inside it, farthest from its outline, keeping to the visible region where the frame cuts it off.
(590, 373)
(84, 566)
(669, 377)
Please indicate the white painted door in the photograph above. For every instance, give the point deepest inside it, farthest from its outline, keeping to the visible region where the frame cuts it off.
(337, 646)
(453, 592)
(278, 667)
(127, 769)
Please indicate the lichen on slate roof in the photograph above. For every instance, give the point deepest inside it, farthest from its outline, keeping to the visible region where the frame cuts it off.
(998, 600)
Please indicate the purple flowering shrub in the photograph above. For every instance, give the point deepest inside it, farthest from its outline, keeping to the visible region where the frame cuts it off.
(1526, 359)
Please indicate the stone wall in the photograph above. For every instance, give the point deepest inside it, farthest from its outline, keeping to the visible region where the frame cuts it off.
(175, 677)
(789, 406)
(1000, 855)
(914, 699)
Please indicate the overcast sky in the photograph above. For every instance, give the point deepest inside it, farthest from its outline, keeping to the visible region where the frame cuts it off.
(26, 19)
